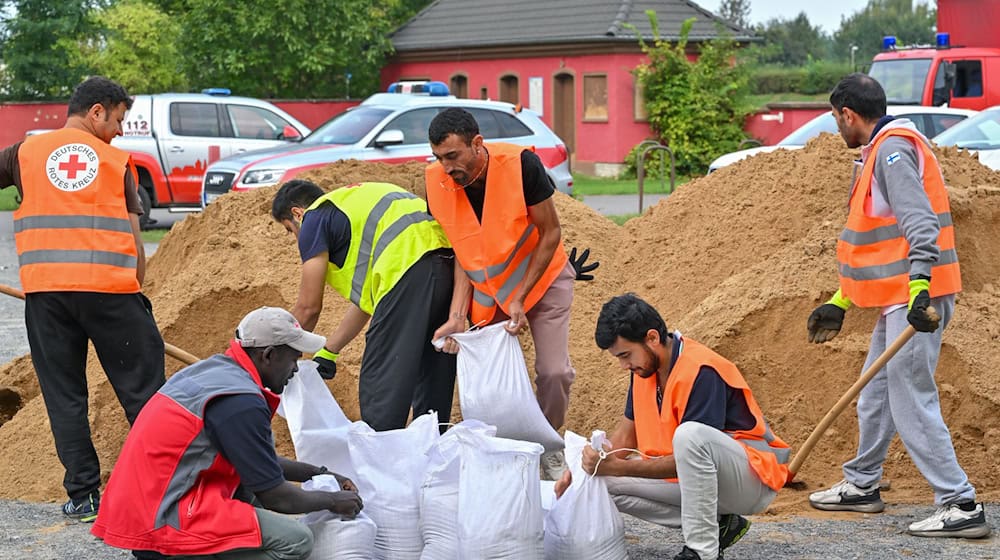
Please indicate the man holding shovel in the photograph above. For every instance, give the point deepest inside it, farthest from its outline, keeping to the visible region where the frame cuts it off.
(82, 265)
(897, 253)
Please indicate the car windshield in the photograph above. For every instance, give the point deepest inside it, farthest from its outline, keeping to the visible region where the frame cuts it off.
(978, 132)
(810, 130)
(903, 79)
(347, 127)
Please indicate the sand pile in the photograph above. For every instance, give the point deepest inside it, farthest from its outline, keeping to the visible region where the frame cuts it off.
(737, 260)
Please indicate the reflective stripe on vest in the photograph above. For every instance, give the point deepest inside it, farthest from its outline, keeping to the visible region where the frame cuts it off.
(494, 252)
(872, 253)
(390, 231)
(72, 222)
(655, 426)
(73, 256)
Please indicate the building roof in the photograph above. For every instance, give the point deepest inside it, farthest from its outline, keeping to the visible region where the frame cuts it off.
(489, 23)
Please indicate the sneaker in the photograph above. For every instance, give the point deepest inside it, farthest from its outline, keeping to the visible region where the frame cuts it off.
(553, 465)
(953, 521)
(688, 554)
(732, 527)
(844, 496)
(83, 509)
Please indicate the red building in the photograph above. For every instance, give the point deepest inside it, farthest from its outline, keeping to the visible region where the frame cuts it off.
(570, 60)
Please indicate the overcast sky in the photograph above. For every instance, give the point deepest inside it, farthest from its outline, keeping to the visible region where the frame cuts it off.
(823, 13)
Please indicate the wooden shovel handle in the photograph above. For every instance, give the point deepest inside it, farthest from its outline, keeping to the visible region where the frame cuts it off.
(168, 349)
(867, 376)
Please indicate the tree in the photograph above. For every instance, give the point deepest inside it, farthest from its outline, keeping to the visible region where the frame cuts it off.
(736, 12)
(696, 107)
(792, 42)
(38, 64)
(136, 48)
(287, 48)
(910, 23)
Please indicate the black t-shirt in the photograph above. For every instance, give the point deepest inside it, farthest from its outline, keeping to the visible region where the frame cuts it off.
(325, 229)
(534, 181)
(239, 426)
(712, 402)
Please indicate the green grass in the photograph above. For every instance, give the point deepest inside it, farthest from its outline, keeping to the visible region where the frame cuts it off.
(763, 99)
(585, 185)
(153, 235)
(622, 218)
(8, 199)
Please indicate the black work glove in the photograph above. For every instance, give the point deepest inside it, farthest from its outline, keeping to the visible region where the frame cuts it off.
(579, 266)
(918, 316)
(326, 363)
(825, 322)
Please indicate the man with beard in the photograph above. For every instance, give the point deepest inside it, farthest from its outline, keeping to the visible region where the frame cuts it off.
(707, 454)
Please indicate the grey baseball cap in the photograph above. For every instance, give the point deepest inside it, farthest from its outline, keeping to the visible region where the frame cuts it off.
(273, 326)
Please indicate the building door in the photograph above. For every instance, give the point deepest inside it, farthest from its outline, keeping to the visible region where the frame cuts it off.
(564, 110)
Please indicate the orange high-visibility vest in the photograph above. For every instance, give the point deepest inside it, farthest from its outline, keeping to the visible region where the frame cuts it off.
(654, 428)
(72, 230)
(873, 255)
(495, 253)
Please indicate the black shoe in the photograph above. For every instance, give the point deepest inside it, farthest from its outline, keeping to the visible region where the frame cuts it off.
(83, 509)
(732, 527)
(688, 554)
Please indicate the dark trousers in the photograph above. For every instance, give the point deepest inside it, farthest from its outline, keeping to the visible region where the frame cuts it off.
(129, 347)
(400, 367)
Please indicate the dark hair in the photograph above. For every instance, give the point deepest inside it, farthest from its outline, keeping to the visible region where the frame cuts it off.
(297, 193)
(97, 89)
(453, 120)
(862, 94)
(629, 317)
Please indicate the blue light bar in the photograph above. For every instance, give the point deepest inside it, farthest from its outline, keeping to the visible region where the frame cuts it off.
(435, 89)
(216, 91)
(888, 42)
(943, 40)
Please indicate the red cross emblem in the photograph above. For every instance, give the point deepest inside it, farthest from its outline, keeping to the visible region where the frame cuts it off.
(73, 166)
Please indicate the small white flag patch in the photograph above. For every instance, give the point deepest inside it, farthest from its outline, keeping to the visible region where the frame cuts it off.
(892, 158)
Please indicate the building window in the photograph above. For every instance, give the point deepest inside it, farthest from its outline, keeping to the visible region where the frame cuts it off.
(460, 86)
(484, 93)
(639, 112)
(508, 89)
(595, 98)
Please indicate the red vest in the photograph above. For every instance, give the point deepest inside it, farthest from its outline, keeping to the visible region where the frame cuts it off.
(72, 230)
(873, 255)
(654, 429)
(171, 491)
(495, 253)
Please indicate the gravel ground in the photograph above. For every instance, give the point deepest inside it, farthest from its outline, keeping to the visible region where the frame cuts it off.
(39, 532)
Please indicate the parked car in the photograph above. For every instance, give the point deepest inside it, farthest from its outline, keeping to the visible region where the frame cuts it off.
(390, 128)
(174, 137)
(979, 134)
(931, 121)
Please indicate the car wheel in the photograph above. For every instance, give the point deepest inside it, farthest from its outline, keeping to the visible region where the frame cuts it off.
(146, 220)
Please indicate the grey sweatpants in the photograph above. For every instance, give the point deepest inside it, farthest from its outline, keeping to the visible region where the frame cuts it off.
(903, 398)
(713, 478)
(283, 537)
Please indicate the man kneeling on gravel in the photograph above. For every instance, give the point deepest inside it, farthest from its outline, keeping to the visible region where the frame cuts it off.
(198, 474)
(691, 415)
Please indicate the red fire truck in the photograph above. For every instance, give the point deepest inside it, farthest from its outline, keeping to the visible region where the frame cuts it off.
(961, 69)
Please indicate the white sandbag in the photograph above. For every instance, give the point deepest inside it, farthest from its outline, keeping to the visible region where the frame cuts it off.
(584, 524)
(315, 421)
(494, 387)
(341, 539)
(439, 492)
(499, 501)
(390, 466)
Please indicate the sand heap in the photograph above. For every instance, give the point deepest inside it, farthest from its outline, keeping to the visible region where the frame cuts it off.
(737, 260)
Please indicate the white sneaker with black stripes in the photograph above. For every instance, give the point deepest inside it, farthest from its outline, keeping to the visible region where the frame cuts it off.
(953, 521)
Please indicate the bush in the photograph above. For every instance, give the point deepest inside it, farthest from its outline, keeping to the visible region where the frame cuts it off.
(695, 107)
(817, 76)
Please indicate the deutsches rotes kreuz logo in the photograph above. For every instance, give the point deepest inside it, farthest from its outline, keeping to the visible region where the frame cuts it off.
(72, 167)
